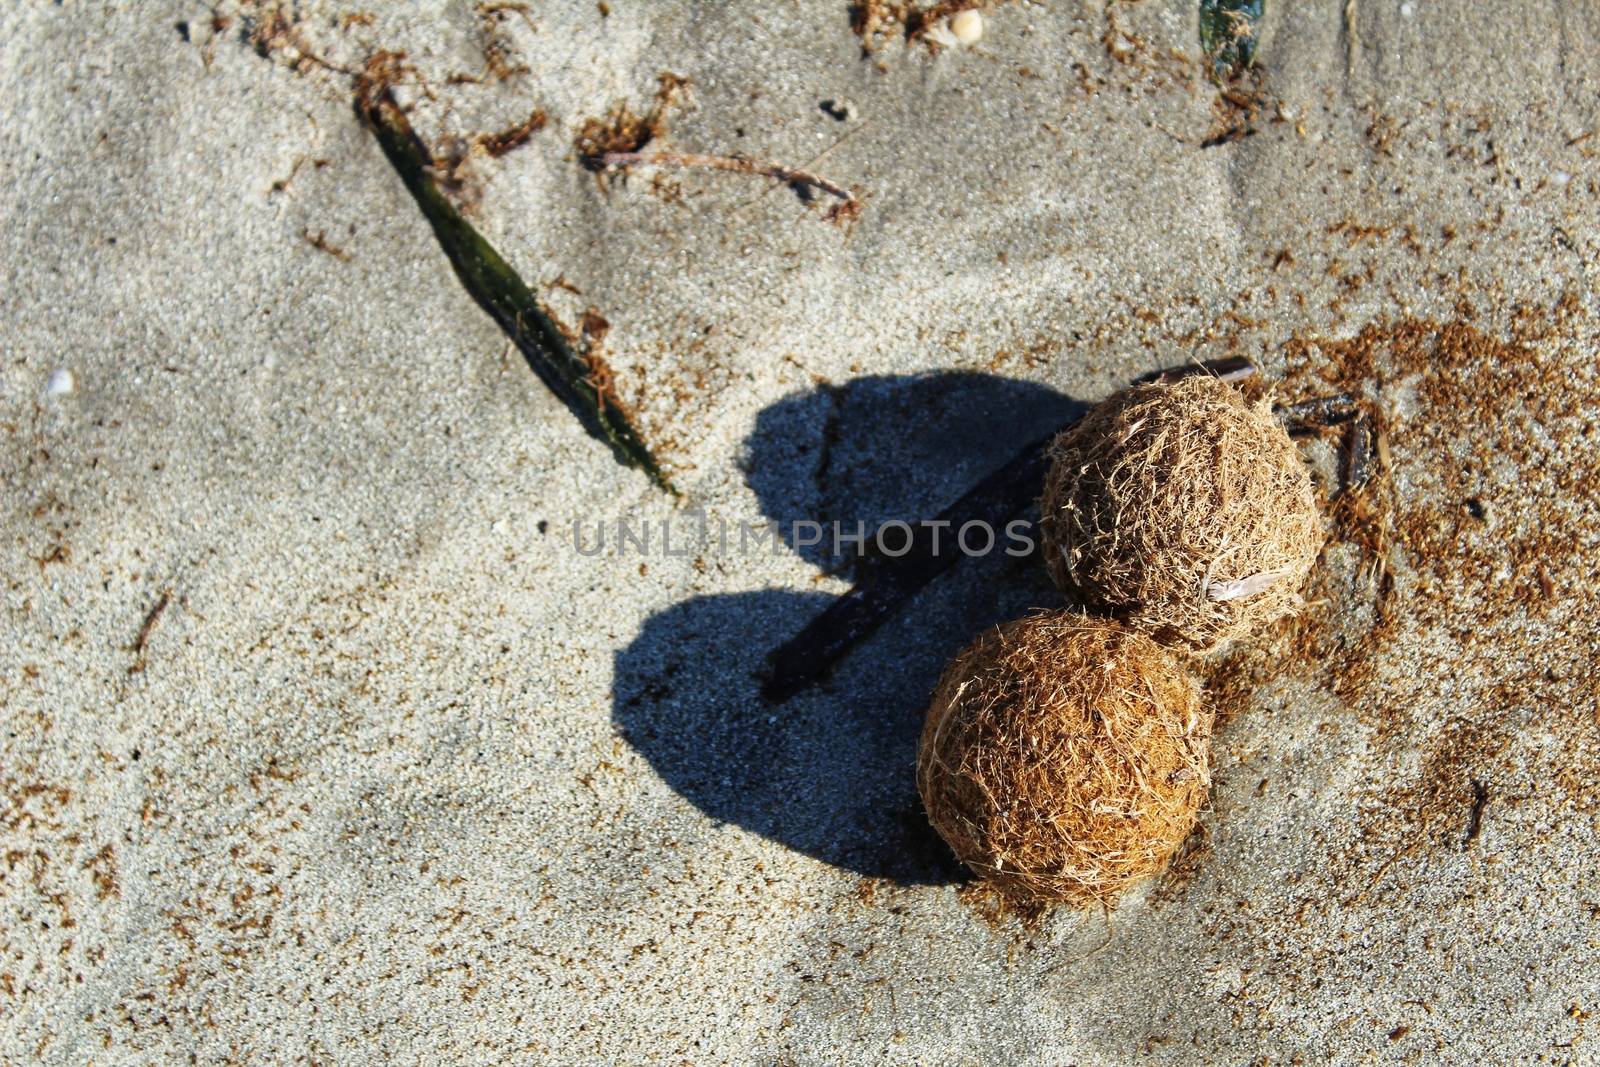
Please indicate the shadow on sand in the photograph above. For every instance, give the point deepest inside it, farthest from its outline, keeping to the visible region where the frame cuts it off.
(831, 772)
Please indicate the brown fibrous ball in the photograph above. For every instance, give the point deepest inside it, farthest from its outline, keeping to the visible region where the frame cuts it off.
(1183, 510)
(1064, 758)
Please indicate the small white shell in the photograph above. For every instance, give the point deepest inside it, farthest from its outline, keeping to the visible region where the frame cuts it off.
(61, 382)
(967, 27)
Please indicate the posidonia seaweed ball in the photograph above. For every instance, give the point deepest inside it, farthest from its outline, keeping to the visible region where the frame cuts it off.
(1065, 758)
(1182, 509)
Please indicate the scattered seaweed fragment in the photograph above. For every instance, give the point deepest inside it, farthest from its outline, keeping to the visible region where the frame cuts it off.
(582, 385)
(1239, 108)
(1228, 35)
(455, 156)
(617, 142)
(623, 129)
(512, 137)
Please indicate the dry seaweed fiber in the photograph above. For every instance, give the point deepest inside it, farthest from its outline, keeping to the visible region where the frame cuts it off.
(1183, 510)
(1064, 758)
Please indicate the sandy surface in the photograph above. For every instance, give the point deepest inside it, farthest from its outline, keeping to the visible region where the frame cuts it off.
(321, 743)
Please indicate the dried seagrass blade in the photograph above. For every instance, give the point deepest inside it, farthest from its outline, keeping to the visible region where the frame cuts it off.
(884, 583)
(500, 291)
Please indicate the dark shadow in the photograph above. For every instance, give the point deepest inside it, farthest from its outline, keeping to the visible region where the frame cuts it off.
(881, 448)
(830, 776)
(831, 772)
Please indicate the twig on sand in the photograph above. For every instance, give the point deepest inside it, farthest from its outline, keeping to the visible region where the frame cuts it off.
(884, 583)
(143, 637)
(1480, 800)
(799, 180)
(1228, 369)
(150, 617)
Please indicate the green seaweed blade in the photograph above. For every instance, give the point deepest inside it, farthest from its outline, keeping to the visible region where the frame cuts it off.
(502, 293)
(1228, 34)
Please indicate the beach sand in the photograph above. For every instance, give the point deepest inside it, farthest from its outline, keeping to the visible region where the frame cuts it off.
(323, 743)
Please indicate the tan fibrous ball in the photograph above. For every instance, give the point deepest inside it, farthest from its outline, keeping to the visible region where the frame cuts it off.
(1064, 758)
(1183, 510)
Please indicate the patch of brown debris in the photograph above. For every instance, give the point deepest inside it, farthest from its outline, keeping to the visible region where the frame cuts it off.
(1476, 589)
(624, 130)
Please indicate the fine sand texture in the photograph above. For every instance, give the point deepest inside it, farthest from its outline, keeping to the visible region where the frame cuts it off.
(322, 742)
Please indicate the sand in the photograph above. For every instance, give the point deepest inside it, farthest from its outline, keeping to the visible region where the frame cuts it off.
(322, 743)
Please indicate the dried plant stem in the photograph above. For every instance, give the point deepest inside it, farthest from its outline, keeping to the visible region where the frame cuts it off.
(739, 165)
